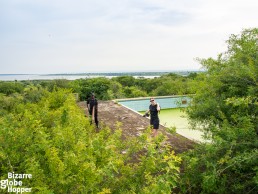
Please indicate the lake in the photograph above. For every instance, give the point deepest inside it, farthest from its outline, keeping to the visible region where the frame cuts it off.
(21, 77)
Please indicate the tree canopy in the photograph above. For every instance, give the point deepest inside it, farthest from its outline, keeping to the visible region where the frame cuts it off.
(225, 107)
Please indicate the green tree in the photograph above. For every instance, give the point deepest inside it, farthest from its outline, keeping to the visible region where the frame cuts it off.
(85, 87)
(11, 87)
(57, 83)
(133, 92)
(115, 91)
(51, 139)
(225, 107)
(33, 93)
(125, 80)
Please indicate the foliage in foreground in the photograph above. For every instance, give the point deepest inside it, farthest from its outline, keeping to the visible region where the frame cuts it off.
(225, 108)
(51, 139)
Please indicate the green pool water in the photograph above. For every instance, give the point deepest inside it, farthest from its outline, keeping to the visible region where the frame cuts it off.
(176, 117)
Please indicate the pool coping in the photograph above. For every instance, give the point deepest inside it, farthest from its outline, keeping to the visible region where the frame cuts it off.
(144, 98)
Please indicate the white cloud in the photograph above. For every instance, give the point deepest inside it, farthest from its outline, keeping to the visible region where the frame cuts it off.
(127, 35)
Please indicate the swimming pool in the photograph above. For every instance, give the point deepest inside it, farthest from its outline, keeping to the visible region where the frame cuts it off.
(166, 102)
(172, 113)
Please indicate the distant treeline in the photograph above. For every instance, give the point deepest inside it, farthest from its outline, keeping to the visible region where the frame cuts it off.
(183, 73)
(105, 89)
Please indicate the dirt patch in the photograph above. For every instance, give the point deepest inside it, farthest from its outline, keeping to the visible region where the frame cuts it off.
(134, 124)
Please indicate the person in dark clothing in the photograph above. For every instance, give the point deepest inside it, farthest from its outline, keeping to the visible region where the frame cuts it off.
(154, 109)
(92, 105)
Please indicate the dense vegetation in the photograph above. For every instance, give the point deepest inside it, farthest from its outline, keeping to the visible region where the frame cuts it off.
(44, 133)
(117, 87)
(225, 107)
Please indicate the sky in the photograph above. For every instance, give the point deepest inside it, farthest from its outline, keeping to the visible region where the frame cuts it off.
(77, 36)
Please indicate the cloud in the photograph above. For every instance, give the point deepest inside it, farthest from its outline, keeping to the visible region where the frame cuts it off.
(46, 36)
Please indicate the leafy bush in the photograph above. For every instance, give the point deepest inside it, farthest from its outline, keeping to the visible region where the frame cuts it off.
(226, 108)
(10, 87)
(51, 139)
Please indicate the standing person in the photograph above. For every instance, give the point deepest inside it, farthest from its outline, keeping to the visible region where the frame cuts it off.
(154, 108)
(92, 105)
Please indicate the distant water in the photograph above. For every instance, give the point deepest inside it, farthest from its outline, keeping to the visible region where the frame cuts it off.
(20, 77)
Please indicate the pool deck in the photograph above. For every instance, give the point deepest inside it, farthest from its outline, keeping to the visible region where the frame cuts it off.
(133, 124)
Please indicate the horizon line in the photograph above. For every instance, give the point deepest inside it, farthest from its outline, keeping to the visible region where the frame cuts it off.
(104, 72)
